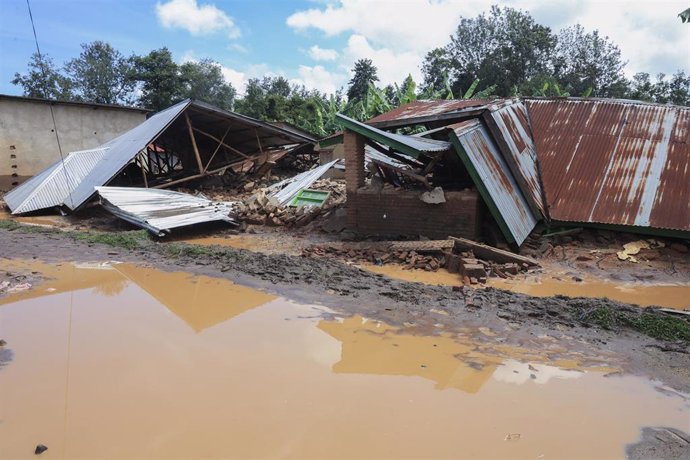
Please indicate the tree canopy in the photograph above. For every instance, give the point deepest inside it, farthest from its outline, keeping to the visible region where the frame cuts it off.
(501, 53)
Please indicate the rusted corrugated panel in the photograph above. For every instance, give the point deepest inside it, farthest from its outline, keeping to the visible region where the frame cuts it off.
(614, 162)
(494, 180)
(509, 125)
(424, 108)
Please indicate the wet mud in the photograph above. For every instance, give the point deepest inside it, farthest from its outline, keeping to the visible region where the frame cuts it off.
(117, 360)
(513, 318)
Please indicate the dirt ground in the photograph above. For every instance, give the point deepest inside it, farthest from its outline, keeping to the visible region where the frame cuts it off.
(418, 308)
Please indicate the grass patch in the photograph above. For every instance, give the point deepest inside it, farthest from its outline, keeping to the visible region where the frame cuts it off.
(13, 226)
(135, 239)
(654, 324)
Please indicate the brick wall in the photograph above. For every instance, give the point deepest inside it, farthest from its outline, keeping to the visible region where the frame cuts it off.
(393, 212)
(353, 145)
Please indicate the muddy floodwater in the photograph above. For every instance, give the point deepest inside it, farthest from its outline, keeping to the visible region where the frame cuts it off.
(643, 294)
(119, 361)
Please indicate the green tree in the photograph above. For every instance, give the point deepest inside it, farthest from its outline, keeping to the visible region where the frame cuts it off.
(203, 80)
(679, 89)
(364, 74)
(102, 74)
(586, 60)
(159, 78)
(44, 80)
(435, 71)
(504, 48)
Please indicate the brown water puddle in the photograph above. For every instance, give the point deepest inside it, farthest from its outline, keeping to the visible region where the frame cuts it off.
(167, 365)
(43, 221)
(664, 295)
(248, 242)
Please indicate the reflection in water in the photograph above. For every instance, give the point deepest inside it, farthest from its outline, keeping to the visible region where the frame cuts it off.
(199, 301)
(120, 376)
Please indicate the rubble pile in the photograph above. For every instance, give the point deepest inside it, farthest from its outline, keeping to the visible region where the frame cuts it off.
(424, 255)
(410, 259)
(261, 209)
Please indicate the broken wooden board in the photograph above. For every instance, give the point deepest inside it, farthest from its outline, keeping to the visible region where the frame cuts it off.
(486, 252)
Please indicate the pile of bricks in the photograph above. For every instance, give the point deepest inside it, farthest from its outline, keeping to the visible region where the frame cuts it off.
(412, 260)
(260, 209)
(420, 255)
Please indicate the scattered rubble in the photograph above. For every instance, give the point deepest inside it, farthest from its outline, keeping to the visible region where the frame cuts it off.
(456, 255)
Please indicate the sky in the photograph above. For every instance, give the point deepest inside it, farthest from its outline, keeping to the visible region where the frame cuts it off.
(316, 42)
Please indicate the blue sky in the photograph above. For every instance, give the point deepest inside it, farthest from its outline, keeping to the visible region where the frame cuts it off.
(315, 42)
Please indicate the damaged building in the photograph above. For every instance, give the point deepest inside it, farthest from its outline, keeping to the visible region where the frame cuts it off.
(188, 141)
(467, 168)
(28, 138)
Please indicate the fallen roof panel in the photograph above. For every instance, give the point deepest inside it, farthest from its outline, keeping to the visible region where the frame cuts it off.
(494, 180)
(286, 190)
(85, 172)
(410, 145)
(425, 111)
(614, 162)
(509, 124)
(54, 186)
(159, 211)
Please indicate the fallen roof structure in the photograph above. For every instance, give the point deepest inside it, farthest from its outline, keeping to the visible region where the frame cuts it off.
(602, 162)
(285, 191)
(494, 180)
(159, 211)
(187, 141)
(614, 162)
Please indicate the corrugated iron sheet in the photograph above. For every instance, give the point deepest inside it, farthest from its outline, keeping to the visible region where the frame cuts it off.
(424, 109)
(412, 145)
(614, 162)
(54, 186)
(285, 191)
(159, 211)
(494, 180)
(509, 124)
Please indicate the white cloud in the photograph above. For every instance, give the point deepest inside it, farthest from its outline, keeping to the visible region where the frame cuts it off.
(237, 47)
(651, 38)
(322, 54)
(393, 66)
(196, 19)
(318, 78)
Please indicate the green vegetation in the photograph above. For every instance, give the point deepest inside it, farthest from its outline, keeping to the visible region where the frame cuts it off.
(135, 239)
(654, 324)
(504, 52)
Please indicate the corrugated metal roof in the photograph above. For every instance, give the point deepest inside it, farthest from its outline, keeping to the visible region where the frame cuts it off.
(410, 145)
(494, 180)
(509, 124)
(159, 211)
(122, 150)
(422, 110)
(47, 189)
(286, 190)
(54, 186)
(614, 162)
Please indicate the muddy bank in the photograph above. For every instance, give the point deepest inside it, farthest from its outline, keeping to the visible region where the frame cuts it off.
(660, 443)
(594, 325)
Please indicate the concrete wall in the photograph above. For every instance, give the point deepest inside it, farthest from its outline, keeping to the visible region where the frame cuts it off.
(394, 212)
(27, 138)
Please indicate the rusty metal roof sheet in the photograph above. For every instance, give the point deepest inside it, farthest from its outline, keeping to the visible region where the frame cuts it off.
(422, 111)
(614, 162)
(493, 179)
(509, 124)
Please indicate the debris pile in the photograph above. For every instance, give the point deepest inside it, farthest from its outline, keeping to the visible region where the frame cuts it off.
(474, 262)
(262, 208)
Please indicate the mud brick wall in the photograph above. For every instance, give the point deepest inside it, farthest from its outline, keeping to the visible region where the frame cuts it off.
(392, 212)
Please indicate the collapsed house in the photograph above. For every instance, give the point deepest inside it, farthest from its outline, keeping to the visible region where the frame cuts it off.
(467, 167)
(188, 141)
